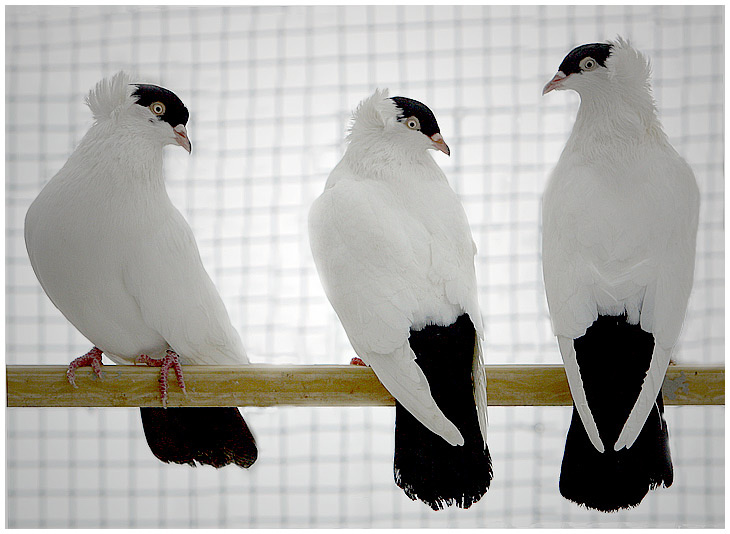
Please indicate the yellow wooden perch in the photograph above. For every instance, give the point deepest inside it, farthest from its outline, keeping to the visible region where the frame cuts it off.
(310, 385)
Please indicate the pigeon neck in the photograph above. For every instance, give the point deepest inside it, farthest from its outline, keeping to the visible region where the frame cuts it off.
(613, 122)
(382, 160)
(129, 162)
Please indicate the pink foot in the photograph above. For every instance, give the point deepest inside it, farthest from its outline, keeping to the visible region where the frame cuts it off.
(90, 359)
(170, 360)
(358, 361)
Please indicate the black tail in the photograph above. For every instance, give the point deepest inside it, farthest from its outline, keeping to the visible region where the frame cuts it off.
(425, 465)
(613, 357)
(211, 436)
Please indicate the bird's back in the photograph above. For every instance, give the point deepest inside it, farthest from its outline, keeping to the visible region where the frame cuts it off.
(395, 256)
(405, 241)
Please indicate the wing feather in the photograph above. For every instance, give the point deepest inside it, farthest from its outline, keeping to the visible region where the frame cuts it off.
(178, 299)
(614, 245)
(480, 388)
(646, 400)
(404, 379)
(579, 394)
(386, 271)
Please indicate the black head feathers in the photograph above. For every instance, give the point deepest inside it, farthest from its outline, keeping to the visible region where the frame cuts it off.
(172, 110)
(572, 62)
(413, 108)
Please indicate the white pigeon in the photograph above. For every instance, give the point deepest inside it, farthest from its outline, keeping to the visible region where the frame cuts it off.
(121, 263)
(394, 251)
(620, 216)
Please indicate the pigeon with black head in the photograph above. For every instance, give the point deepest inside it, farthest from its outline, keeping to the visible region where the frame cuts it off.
(394, 252)
(122, 265)
(620, 216)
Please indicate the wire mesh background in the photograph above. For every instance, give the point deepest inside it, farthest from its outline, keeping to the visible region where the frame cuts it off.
(270, 90)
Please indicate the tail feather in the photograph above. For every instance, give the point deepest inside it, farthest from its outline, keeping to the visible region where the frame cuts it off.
(425, 466)
(613, 357)
(210, 436)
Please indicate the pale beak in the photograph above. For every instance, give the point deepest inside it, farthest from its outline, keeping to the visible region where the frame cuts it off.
(555, 83)
(181, 136)
(440, 144)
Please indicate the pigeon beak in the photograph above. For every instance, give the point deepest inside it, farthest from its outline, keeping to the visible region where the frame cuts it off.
(555, 83)
(440, 144)
(181, 136)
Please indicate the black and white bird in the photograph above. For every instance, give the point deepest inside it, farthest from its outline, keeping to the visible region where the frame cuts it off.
(620, 214)
(395, 254)
(121, 263)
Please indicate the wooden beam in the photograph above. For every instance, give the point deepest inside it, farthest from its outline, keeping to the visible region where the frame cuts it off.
(310, 385)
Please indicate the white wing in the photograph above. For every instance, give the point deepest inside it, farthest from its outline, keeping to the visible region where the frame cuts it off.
(646, 400)
(575, 383)
(177, 298)
(665, 301)
(632, 255)
(480, 388)
(403, 378)
(380, 267)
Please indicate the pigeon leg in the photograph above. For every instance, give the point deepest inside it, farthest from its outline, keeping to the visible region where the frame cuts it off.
(358, 361)
(170, 361)
(90, 359)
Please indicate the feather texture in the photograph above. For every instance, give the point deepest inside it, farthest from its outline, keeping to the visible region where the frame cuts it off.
(612, 356)
(210, 436)
(113, 253)
(395, 255)
(110, 96)
(620, 216)
(424, 465)
(118, 259)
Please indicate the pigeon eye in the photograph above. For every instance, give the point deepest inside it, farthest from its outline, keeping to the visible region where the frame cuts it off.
(413, 123)
(588, 64)
(158, 108)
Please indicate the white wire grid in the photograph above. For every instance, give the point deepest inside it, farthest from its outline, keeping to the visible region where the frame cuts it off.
(270, 90)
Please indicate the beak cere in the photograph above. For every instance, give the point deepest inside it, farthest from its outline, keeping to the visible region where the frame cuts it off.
(554, 83)
(439, 144)
(181, 136)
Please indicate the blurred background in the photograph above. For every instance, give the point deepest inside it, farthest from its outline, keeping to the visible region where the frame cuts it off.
(271, 91)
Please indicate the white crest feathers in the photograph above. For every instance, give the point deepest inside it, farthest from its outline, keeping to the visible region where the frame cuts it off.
(372, 115)
(110, 96)
(628, 65)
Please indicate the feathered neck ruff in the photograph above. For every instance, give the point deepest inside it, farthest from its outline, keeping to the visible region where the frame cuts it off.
(619, 111)
(374, 147)
(113, 144)
(111, 96)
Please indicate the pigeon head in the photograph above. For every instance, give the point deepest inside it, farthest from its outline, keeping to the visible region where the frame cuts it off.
(583, 67)
(417, 118)
(402, 123)
(123, 108)
(164, 112)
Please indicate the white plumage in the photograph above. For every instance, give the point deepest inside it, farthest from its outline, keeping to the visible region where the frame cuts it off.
(620, 215)
(113, 253)
(121, 263)
(394, 252)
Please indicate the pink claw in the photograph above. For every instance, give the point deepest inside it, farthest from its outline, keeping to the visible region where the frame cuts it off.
(358, 361)
(90, 359)
(170, 360)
